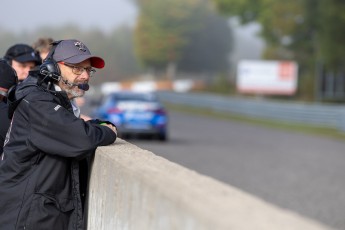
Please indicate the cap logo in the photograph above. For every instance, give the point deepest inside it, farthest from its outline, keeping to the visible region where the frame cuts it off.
(80, 46)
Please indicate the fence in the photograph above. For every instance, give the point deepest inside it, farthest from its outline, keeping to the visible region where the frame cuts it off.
(325, 115)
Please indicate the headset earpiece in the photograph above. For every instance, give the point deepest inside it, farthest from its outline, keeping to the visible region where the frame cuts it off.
(49, 68)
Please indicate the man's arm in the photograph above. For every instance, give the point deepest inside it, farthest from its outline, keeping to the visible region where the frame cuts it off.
(57, 131)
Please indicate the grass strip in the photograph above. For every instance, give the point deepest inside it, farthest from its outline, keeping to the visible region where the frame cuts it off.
(282, 125)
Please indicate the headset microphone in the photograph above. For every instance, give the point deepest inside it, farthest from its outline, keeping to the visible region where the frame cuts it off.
(84, 86)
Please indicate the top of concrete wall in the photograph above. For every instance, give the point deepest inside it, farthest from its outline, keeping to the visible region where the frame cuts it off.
(135, 189)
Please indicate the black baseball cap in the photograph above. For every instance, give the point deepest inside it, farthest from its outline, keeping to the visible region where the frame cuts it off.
(8, 76)
(23, 53)
(73, 51)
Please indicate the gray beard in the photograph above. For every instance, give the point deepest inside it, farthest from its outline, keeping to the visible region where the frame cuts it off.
(73, 92)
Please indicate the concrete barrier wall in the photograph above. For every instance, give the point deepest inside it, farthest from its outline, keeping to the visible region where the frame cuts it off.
(133, 189)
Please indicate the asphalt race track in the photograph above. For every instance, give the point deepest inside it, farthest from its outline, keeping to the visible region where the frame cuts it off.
(295, 171)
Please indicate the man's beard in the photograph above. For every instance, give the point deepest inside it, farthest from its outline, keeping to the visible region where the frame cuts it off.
(73, 91)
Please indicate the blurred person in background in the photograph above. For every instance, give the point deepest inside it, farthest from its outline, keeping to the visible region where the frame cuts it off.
(22, 58)
(14, 67)
(8, 78)
(42, 46)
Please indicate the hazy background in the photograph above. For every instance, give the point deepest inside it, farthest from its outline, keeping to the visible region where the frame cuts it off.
(149, 38)
(103, 14)
(107, 28)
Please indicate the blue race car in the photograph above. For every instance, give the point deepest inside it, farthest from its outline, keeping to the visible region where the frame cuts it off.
(135, 113)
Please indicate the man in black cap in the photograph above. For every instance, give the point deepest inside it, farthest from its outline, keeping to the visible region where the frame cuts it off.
(8, 78)
(22, 58)
(45, 163)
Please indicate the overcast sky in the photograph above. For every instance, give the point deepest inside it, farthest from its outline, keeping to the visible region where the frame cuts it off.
(18, 16)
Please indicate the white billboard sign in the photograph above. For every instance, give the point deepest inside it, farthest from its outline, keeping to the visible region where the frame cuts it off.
(267, 77)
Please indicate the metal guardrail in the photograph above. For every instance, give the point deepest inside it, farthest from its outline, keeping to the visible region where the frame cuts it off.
(297, 112)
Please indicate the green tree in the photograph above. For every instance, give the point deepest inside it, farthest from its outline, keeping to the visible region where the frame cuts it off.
(307, 31)
(168, 31)
(161, 30)
(330, 35)
(210, 47)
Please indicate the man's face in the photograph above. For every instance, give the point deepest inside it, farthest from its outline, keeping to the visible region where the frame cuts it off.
(44, 54)
(72, 76)
(22, 69)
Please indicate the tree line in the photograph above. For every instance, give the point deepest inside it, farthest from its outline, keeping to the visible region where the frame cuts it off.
(191, 36)
(307, 31)
(170, 37)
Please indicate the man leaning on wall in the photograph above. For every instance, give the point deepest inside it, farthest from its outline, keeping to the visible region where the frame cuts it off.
(44, 166)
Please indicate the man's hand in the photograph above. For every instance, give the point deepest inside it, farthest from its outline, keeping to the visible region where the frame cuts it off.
(84, 117)
(105, 123)
(111, 126)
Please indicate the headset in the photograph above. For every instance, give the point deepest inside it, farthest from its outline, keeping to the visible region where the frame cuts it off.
(49, 68)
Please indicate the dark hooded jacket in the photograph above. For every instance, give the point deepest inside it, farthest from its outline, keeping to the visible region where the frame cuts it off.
(43, 171)
(5, 122)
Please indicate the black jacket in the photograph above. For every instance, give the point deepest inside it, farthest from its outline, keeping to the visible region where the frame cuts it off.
(4, 123)
(43, 168)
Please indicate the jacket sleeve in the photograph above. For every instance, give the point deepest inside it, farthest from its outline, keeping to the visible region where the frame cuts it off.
(55, 130)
